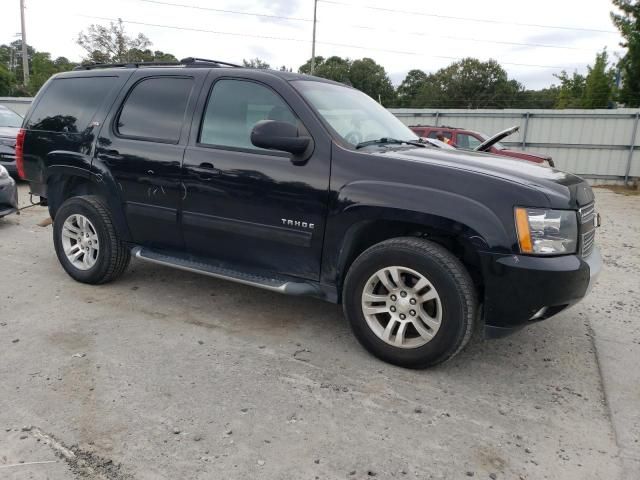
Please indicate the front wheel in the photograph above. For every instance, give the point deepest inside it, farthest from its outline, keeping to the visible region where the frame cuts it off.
(86, 241)
(410, 302)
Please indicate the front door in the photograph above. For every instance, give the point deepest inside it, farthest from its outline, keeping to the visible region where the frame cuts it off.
(246, 205)
(142, 144)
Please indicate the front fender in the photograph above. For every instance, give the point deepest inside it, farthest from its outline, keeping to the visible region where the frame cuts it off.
(361, 203)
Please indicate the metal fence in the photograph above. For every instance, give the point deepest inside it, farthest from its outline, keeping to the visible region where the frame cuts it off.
(601, 145)
(17, 104)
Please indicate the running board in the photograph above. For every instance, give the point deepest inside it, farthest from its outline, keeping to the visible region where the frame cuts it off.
(191, 265)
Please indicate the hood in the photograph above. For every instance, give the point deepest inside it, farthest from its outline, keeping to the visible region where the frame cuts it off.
(563, 189)
(10, 132)
(490, 142)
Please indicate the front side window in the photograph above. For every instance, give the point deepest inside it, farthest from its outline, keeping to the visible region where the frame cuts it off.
(465, 140)
(155, 109)
(435, 133)
(68, 104)
(234, 107)
(353, 115)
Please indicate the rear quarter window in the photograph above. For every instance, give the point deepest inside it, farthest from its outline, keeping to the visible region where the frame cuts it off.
(69, 104)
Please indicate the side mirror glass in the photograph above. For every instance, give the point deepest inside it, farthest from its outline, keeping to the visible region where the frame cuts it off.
(275, 135)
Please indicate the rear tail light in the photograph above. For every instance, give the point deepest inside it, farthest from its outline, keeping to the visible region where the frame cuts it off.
(20, 153)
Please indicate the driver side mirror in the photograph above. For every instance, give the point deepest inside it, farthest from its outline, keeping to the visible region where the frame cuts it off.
(275, 135)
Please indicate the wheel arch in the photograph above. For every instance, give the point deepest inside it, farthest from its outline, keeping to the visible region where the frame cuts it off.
(65, 181)
(369, 212)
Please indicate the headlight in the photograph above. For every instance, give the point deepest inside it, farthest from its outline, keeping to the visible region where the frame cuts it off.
(546, 232)
(3, 172)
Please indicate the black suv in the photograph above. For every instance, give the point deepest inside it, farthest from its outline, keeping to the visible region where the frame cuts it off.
(304, 186)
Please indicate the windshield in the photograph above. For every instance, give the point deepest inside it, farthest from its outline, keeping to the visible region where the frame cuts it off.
(497, 145)
(8, 118)
(356, 117)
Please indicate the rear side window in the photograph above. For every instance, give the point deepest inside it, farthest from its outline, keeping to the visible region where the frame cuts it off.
(155, 108)
(69, 104)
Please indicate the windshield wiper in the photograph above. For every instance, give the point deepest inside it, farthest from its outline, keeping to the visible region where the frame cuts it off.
(387, 140)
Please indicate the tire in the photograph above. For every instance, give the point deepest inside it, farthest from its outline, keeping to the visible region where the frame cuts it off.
(435, 329)
(109, 258)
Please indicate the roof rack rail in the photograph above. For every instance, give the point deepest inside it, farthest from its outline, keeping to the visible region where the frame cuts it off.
(190, 61)
(196, 60)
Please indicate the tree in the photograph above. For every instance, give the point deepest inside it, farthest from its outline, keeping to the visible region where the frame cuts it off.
(42, 67)
(256, 63)
(111, 44)
(369, 77)
(364, 74)
(468, 83)
(544, 98)
(571, 90)
(599, 83)
(147, 55)
(410, 87)
(7, 82)
(628, 22)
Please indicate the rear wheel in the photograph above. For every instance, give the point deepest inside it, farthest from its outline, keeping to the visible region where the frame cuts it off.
(410, 302)
(86, 241)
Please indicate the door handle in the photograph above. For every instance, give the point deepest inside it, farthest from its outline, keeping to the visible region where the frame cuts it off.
(209, 172)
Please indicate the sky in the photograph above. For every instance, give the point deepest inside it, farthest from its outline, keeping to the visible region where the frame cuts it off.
(531, 39)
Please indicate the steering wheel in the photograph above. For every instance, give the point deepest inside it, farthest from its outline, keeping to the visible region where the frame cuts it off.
(353, 137)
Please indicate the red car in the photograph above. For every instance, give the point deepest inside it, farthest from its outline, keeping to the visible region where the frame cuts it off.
(470, 140)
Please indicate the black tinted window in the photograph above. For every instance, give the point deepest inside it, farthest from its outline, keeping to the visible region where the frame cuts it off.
(155, 109)
(234, 107)
(69, 104)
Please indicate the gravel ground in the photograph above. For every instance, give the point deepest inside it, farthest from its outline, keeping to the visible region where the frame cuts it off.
(166, 374)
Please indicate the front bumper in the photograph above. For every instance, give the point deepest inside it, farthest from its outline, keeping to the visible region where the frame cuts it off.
(522, 289)
(8, 196)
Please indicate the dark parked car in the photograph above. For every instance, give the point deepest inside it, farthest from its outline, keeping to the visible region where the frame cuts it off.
(304, 186)
(8, 193)
(481, 142)
(10, 123)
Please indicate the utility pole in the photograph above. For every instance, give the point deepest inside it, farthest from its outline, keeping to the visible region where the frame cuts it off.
(313, 43)
(25, 53)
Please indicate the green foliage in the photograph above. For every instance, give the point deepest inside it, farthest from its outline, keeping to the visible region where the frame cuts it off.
(627, 20)
(369, 77)
(599, 84)
(409, 89)
(256, 63)
(571, 90)
(468, 83)
(42, 67)
(364, 74)
(111, 44)
(7, 82)
(595, 90)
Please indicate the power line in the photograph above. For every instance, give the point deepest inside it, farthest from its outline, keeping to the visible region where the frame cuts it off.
(220, 10)
(364, 27)
(289, 39)
(466, 19)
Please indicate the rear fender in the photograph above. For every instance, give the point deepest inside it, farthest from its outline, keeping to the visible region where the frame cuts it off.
(64, 172)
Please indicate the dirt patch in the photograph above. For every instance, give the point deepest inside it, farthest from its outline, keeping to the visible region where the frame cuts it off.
(83, 463)
(621, 189)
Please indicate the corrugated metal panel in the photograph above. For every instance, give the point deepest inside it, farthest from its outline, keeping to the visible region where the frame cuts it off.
(588, 142)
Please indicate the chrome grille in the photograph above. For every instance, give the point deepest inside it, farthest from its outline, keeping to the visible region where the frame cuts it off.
(587, 217)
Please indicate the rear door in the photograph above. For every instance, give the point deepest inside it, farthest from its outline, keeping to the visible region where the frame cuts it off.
(142, 145)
